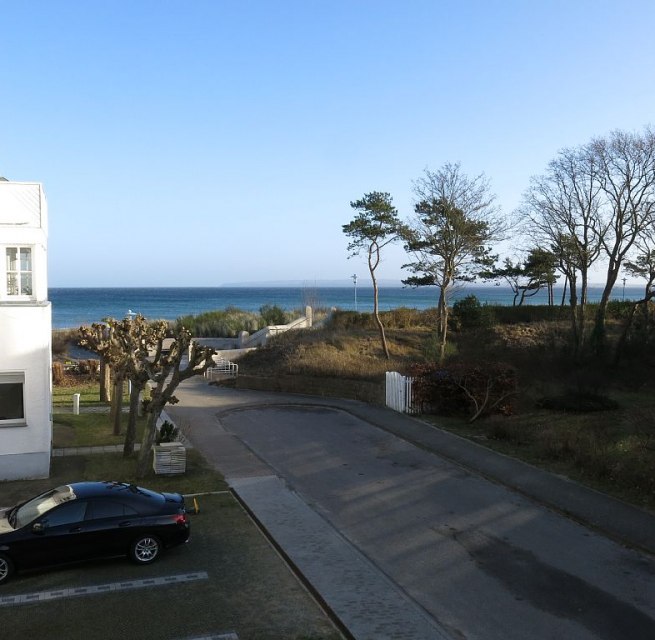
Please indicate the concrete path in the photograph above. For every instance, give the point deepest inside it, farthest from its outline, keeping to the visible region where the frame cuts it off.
(370, 519)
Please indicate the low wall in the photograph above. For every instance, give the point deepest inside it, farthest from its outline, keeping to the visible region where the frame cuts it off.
(371, 392)
(220, 344)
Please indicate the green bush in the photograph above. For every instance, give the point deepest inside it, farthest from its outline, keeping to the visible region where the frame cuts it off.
(168, 432)
(222, 323)
(274, 315)
(476, 389)
(468, 313)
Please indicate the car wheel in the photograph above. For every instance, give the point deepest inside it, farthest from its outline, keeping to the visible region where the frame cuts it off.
(6, 568)
(145, 550)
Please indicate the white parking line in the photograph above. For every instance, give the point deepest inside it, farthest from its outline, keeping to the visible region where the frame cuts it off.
(221, 636)
(46, 596)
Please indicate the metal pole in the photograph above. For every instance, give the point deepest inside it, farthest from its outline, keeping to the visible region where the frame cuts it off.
(354, 277)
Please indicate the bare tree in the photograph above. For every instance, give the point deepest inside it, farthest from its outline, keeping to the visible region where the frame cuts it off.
(375, 225)
(455, 222)
(561, 210)
(626, 172)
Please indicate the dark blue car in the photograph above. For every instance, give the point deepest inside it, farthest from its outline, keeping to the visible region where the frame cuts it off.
(86, 520)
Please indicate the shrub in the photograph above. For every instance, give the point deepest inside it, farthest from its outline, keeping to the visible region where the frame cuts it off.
(168, 432)
(477, 389)
(225, 323)
(578, 402)
(527, 313)
(468, 313)
(273, 315)
(344, 320)
(61, 338)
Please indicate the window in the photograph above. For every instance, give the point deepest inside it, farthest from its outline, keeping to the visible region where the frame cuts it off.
(99, 509)
(12, 405)
(19, 271)
(67, 514)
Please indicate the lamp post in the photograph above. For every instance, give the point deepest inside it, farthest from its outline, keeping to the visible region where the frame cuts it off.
(624, 279)
(354, 277)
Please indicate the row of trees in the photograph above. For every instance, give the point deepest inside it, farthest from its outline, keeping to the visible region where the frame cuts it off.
(133, 349)
(594, 205)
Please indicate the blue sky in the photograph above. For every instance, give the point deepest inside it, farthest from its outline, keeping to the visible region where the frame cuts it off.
(200, 143)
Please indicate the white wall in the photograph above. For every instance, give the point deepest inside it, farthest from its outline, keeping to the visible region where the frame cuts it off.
(25, 334)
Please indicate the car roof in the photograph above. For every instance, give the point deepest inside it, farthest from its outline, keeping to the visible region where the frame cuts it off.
(113, 489)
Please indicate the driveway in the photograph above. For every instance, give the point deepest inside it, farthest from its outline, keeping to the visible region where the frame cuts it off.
(481, 560)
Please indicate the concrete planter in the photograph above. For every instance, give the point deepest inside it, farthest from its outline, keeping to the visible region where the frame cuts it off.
(169, 458)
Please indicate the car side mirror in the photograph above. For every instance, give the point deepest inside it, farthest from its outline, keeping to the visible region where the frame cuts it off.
(38, 527)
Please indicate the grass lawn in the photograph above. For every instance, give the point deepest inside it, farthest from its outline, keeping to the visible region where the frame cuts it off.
(62, 395)
(88, 430)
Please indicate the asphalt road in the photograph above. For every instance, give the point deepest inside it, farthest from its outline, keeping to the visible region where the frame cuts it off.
(483, 561)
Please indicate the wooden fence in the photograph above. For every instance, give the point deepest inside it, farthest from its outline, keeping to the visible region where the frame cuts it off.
(399, 392)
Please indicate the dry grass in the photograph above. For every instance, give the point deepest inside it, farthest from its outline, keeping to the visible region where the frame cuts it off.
(328, 353)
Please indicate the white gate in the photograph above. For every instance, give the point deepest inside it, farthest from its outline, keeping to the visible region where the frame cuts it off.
(399, 392)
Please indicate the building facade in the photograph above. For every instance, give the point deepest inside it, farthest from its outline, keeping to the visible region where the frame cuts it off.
(25, 333)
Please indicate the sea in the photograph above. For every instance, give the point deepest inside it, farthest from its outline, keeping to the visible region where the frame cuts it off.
(74, 307)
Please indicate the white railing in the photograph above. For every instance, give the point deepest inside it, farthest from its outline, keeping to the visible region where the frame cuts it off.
(222, 369)
(259, 338)
(399, 393)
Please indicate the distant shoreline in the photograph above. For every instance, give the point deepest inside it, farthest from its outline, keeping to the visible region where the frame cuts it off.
(76, 306)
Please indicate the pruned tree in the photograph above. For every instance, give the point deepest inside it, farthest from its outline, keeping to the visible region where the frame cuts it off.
(141, 343)
(165, 372)
(375, 225)
(455, 222)
(101, 338)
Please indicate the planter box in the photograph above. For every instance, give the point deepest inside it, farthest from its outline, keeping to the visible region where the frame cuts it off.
(169, 458)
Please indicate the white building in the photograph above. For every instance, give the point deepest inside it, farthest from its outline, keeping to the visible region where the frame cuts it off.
(25, 333)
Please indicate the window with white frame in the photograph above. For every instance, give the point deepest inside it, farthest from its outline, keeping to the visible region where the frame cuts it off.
(12, 402)
(19, 271)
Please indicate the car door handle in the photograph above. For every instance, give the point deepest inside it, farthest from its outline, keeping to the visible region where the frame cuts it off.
(127, 523)
(76, 530)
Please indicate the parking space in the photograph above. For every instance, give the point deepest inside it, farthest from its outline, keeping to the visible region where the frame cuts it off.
(207, 588)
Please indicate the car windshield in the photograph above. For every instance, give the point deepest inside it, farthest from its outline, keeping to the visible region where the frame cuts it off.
(35, 507)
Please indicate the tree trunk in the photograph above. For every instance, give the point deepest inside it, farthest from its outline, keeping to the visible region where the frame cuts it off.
(105, 380)
(376, 315)
(620, 345)
(598, 335)
(116, 411)
(130, 433)
(443, 322)
(582, 312)
(573, 307)
(143, 463)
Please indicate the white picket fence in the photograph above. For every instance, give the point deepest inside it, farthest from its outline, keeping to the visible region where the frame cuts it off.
(399, 392)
